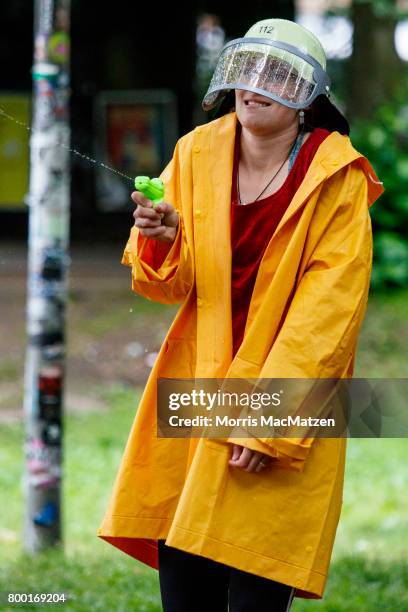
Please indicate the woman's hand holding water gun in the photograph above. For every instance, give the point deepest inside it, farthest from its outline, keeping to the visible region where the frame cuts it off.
(159, 222)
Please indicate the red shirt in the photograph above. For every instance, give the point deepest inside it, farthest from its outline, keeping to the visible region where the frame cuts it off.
(252, 227)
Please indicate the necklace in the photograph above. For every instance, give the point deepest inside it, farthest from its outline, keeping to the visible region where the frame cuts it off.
(274, 176)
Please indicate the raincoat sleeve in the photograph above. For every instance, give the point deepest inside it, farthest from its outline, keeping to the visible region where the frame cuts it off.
(319, 334)
(160, 271)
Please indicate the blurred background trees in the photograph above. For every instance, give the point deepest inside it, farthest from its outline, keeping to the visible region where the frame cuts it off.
(155, 46)
(376, 102)
(376, 70)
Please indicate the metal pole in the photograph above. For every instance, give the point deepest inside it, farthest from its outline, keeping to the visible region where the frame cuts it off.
(47, 275)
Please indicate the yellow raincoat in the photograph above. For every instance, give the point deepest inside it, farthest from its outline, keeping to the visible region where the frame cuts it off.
(307, 307)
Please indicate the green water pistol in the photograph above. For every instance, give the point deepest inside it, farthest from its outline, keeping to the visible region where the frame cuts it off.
(153, 188)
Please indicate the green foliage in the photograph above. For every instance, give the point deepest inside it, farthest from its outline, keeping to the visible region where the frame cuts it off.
(384, 141)
(382, 8)
(384, 336)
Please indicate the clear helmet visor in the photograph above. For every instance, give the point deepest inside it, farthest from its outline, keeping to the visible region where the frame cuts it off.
(274, 72)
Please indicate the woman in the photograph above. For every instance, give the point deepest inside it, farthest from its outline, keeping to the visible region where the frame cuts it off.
(265, 238)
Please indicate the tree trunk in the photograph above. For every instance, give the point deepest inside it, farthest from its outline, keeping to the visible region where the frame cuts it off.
(375, 65)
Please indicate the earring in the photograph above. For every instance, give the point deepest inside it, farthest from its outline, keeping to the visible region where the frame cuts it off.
(301, 117)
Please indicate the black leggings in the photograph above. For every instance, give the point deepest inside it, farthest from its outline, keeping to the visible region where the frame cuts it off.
(191, 583)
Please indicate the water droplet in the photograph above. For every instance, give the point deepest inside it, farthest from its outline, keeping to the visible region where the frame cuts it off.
(71, 150)
(150, 359)
(134, 349)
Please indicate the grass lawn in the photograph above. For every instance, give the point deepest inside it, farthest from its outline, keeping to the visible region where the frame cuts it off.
(382, 347)
(97, 576)
(369, 570)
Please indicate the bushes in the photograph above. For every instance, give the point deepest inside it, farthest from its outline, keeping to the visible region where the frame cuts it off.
(384, 141)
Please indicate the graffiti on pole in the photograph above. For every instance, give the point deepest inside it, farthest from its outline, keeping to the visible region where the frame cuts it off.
(43, 462)
(47, 271)
(48, 515)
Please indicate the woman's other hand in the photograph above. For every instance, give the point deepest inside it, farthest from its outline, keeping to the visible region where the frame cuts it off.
(159, 223)
(248, 460)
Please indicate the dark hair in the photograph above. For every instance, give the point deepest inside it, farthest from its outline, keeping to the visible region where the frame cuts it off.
(321, 114)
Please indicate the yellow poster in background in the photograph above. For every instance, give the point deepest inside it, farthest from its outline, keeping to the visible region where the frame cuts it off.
(14, 150)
